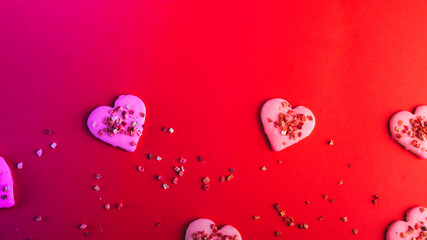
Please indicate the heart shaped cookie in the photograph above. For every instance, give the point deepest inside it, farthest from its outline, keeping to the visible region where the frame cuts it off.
(203, 228)
(6, 186)
(410, 130)
(285, 125)
(120, 126)
(413, 228)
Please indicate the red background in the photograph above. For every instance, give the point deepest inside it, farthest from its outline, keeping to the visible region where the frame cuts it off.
(205, 68)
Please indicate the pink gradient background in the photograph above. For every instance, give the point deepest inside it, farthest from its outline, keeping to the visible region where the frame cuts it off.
(205, 68)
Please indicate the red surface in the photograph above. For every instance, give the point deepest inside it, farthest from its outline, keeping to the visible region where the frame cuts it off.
(205, 68)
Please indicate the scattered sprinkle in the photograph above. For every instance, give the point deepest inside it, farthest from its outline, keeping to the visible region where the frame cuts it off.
(86, 234)
(282, 213)
(200, 159)
(341, 182)
(175, 180)
(48, 131)
(83, 226)
(325, 196)
(229, 177)
(377, 196)
(331, 200)
(263, 168)
(38, 218)
(157, 224)
(331, 142)
(97, 176)
(160, 177)
(119, 205)
(53, 145)
(165, 186)
(107, 206)
(19, 165)
(277, 234)
(39, 152)
(375, 201)
(256, 217)
(303, 226)
(222, 179)
(320, 218)
(182, 160)
(231, 170)
(158, 158)
(96, 188)
(206, 180)
(307, 202)
(355, 231)
(279, 161)
(344, 219)
(140, 168)
(150, 156)
(170, 130)
(205, 187)
(164, 129)
(350, 165)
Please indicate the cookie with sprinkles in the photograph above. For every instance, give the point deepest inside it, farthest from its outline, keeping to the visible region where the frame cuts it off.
(284, 125)
(120, 126)
(203, 228)
(414, 226)
(6, 185)
(410, 130)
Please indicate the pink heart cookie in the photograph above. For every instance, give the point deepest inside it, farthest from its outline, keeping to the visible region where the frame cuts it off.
(410, 130)
(120, 126)
(413, 228)
(285, 125)
(6, 186)
(203, 227)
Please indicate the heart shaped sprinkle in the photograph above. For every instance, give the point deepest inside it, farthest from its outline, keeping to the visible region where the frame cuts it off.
(6, 186)
(413, 228)
(410, 130)
(203, 228)
(284, 125)
(120, 126)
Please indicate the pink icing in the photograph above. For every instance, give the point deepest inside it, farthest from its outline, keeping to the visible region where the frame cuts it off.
(129, 113)
(270, 118)
(6, 186)
(207, 226)
(414, 141)
(416, 219)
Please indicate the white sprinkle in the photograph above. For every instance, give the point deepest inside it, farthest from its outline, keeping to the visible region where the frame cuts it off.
(127, 106)
(83, 226)
(115, 131)
(170, 130)
(158, 158)
(19, 165)
(134, 124)
(94, 124)
(6, 189)
(165, 186)
(283, 132)
(39, 152)
(114, 118)
(53, 145)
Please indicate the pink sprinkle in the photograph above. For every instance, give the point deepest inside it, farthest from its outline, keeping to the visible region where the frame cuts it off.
(170, 130)
(19, 165)
(48, 131)
(140, 168)
(96, 188)
(181, 173)
(53, 145)
(39, 152)
(160, 177)
(97, 176)
(38, 218)
(119, 205)
(157, 224)
(107, 206)
(164, 129)
(83, 226)
(182, 160)
(175, 180)
(165, 186)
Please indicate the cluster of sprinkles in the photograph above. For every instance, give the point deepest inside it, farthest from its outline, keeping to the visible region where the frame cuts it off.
(169, 130)
(215, 235)
(290, 123)
(417, 130)
(116, 123)
(229, 177)
(288, 219)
